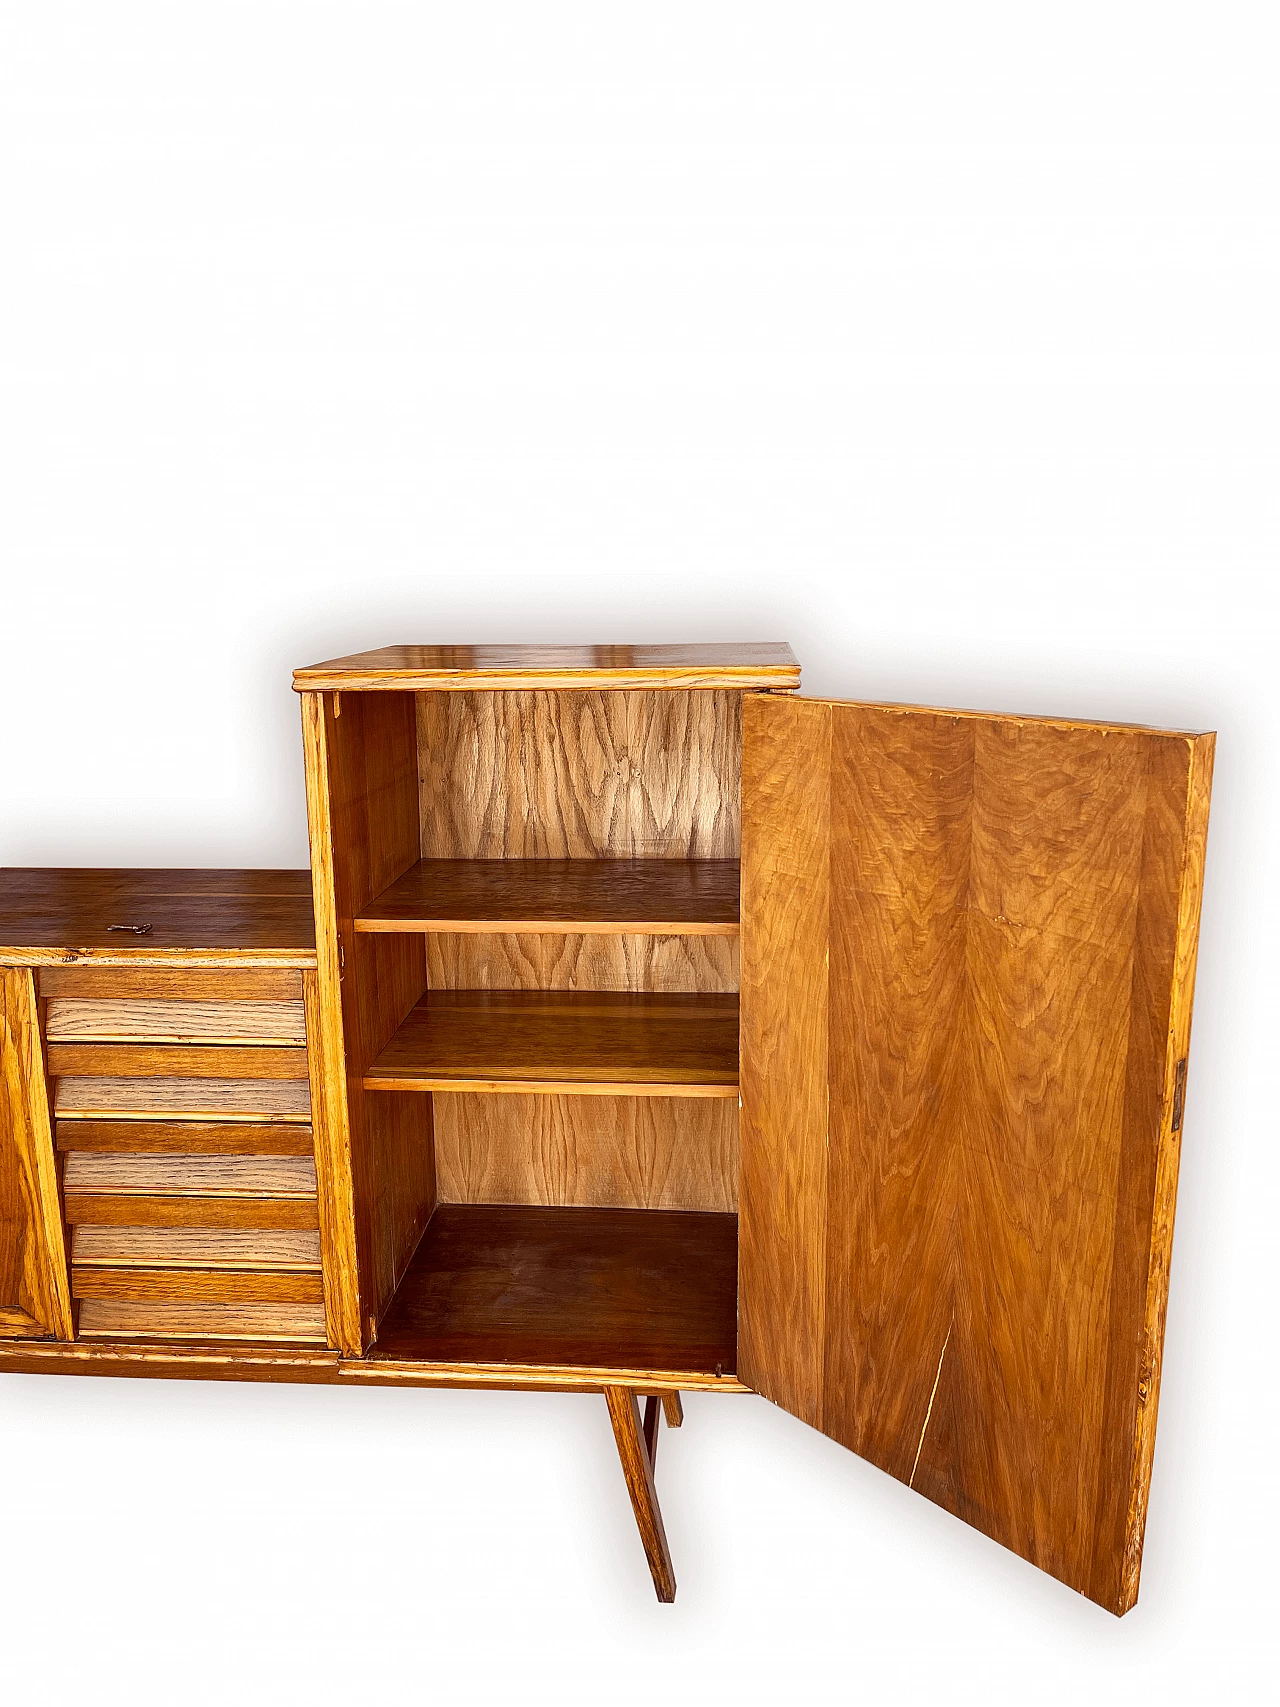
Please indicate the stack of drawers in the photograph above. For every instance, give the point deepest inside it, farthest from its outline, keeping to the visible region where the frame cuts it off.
(183, 1122)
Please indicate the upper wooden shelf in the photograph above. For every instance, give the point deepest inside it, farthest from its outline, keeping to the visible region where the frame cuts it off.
(52, 916)
(761, 664)
(566, 1042)
(653, 897)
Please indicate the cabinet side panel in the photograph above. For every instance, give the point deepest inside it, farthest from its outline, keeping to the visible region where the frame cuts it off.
(35, 1289)
(326, 1054)
(784, 1027)
(371, 746)
(579, 775)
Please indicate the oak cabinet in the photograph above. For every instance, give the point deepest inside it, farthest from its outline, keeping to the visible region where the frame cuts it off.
(661, 1029)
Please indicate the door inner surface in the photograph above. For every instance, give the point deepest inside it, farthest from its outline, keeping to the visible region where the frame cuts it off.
(968, 950)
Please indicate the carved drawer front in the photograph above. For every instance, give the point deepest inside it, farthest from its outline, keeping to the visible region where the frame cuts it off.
(188, 1173)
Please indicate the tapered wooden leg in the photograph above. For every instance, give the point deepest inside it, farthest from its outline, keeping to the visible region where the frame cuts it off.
(637, 1457)
(672, 1409)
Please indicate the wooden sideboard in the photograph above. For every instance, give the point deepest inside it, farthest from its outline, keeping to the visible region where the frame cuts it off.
(643, 1026)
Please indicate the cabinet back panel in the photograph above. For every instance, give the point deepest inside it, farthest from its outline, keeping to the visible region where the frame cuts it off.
(579, 775)
(588, 1152)
(543, 961)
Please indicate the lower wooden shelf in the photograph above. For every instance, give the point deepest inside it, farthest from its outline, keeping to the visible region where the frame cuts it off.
(570, 1042)
(624, 1288)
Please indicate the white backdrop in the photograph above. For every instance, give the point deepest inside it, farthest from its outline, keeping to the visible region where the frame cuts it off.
(940, 341)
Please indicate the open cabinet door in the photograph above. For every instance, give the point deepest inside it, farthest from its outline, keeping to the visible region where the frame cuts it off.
(968, 948)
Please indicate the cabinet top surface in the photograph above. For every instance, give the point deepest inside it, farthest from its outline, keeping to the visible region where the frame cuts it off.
(745, 664)
(53, 916)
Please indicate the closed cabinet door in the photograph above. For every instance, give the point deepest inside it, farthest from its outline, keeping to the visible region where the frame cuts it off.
(968, 950)
(35, 1295)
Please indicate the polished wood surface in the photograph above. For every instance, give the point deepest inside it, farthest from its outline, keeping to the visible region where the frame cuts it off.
(175, 1061)
(638, 1450)
(579, 775)
(72, 1020)
(767, 664)
(362, 808)
(566, 1042)
(544, 961)
(110, 1319)
(134, 1209)
(185, 1137)
(592, 896)
(326, 1052)
(35, 1294)
(313, 1365)
(135, 983)
(171, 1285)
(588, 1152)
(244, 1176)
(52, 915)
(785, 1023)
(195, 1247)
(565, 1286)
(961, 1011)
(197, 1099)
(1156, 1223)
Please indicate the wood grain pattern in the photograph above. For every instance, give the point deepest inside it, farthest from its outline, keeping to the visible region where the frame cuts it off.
(638, 1453)
(598, 1152)
(754, 664)
(185, 1137)
(326, 1054)
(1177, 1043)
(314, 1365)
(197, 1099)
(173, 984)
(175, 1061)
(363, 816)
(72, 1020)
(576, 962)
(607, 896)
(34, 1284)
(970, 1258)
(786, 909)
(109, 1319)
(49, 916)
(172, 1285)
(129, 1209)
(579, 775)
(564, 1041)
(195, 1247)
(200, 1176)
(565, 1286)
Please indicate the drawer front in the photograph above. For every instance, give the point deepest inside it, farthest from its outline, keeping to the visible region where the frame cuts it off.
(175, 1061)
(131, 1019)
(183, 1116)
(178, 1098)
(232, 1249)
(104, 1319)
(122, 983)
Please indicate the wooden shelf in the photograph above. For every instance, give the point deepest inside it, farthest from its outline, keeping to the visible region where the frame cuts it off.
(564, 1041)
(621, 1288)
(675, 897)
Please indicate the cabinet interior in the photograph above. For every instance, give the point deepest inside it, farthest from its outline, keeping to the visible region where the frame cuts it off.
(538, 901)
